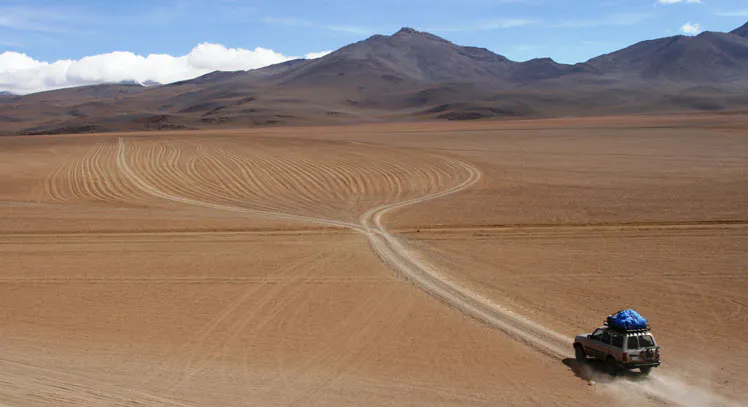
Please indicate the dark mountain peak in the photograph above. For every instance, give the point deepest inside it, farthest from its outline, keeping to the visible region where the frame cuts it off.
(541, 61)
(741, 32)
(6, 93)
(539, 69)
(407, 31)
(411, 34)
(408, 58)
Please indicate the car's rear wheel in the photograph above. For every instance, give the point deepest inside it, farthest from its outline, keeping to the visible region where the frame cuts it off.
(611, 366)
(581, 356)
(645, 370)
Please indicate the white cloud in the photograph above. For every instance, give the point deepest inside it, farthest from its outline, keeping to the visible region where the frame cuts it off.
(19, 73)
(677, 1)
(315, 55)
(691, 29)
(213, 57)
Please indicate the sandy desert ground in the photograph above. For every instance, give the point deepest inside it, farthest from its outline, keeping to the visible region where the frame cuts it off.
(418, 264)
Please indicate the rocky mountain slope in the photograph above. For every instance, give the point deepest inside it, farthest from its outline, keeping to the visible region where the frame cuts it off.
(404, 76)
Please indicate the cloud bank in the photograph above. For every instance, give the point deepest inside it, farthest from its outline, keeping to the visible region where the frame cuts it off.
(20, 73)
(691, 29)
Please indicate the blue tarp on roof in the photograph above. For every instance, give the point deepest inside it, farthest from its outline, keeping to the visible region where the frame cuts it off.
(627, 319)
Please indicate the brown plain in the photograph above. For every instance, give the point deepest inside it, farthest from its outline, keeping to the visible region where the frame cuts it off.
(225, 268)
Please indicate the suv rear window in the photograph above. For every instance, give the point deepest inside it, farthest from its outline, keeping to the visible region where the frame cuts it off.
(633, 342)
(646, 341)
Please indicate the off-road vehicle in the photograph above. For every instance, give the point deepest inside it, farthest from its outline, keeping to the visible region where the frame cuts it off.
(619, 349)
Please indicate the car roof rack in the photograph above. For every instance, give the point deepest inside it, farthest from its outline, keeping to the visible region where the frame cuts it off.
(627, 331)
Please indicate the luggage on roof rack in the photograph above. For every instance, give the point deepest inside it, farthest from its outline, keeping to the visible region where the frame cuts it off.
(627, 320)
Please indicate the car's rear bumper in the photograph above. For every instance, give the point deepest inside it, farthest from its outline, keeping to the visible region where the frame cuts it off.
(638, 365)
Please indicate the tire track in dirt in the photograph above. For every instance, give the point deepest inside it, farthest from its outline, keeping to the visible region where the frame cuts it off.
(575, 227)
(394, 253)
(355, 345)
(273, 301)
(398, 257)
(91, 177)
(434, 184)
(159, 193)
(670, 390)
(39, 385)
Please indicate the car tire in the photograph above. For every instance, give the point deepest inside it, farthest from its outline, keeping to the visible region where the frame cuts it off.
(645, 370)
(611, 366)
(579, 353)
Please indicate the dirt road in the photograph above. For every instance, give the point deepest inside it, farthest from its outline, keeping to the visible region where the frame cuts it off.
(394, 253)
(217, 269)
(428, 278)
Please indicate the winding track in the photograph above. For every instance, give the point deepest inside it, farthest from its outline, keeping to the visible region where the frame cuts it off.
(399, 257)
(162, 178)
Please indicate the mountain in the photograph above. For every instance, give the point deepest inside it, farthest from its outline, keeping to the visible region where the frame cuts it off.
(150, 84)
(6, 97)
(405, 76)
(546, 68)
(408, 56)
(133, 82)
(411, 58)
(741, 32)
(709, 57)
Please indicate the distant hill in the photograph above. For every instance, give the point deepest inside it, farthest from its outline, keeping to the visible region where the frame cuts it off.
(150, 84)
(81, 93)
(405, 76)
(6, 97)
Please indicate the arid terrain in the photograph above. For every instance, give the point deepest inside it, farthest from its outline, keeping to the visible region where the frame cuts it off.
(408, 264)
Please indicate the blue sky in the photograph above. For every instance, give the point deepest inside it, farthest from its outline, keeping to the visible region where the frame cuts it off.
(568, 31)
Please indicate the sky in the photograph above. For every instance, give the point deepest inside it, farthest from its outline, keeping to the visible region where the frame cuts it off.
(49, 44)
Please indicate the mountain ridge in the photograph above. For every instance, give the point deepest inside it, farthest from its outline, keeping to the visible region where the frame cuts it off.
(741, 31)
(707, 57)
(410, 75)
